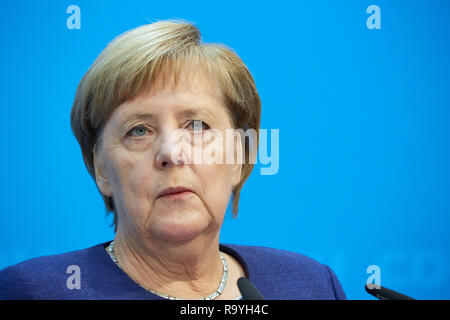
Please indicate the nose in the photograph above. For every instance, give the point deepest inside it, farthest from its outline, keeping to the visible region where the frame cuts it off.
(170, 151)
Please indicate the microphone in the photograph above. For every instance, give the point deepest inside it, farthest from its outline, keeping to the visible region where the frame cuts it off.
(386, 294)
(248, 290)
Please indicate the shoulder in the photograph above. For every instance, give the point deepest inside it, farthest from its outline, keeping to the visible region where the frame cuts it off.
(285, 274)
(39, 277)
(265, 258)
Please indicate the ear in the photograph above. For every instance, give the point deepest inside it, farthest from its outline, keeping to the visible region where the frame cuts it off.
(100, 177)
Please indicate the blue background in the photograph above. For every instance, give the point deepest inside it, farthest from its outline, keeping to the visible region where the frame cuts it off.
(363, 118)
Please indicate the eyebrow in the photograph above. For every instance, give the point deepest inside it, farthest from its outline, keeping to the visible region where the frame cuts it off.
(185, 113)
(197, 111)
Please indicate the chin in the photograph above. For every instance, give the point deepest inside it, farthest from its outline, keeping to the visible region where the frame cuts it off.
(181, 236)
(179, 230)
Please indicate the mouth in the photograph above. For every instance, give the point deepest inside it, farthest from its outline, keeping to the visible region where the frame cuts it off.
(175, 193)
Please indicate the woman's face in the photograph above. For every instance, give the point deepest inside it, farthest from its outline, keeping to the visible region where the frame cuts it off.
(139, 159)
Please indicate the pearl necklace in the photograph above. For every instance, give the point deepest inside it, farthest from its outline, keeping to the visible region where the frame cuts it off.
(212, 296)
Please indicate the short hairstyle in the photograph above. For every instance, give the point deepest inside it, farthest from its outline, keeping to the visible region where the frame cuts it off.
(131, 63)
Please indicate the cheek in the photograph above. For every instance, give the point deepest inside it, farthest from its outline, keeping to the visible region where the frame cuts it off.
(216, 186)
(131, 183)
(216, 179)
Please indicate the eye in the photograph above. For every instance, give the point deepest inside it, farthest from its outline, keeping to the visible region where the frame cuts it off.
(137, 131)
(198, 125)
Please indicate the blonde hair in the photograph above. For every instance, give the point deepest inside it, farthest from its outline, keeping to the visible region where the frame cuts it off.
(132, 61)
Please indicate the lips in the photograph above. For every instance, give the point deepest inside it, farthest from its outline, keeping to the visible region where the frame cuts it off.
(174, 191)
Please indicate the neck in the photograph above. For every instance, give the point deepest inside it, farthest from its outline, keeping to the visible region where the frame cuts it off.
(189, 270)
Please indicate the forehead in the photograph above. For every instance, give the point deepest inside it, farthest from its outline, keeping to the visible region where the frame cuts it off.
(191, 91)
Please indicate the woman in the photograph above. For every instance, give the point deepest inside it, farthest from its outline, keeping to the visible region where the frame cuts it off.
(154, 99)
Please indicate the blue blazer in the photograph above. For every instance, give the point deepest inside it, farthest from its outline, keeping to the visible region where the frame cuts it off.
(277, 274)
